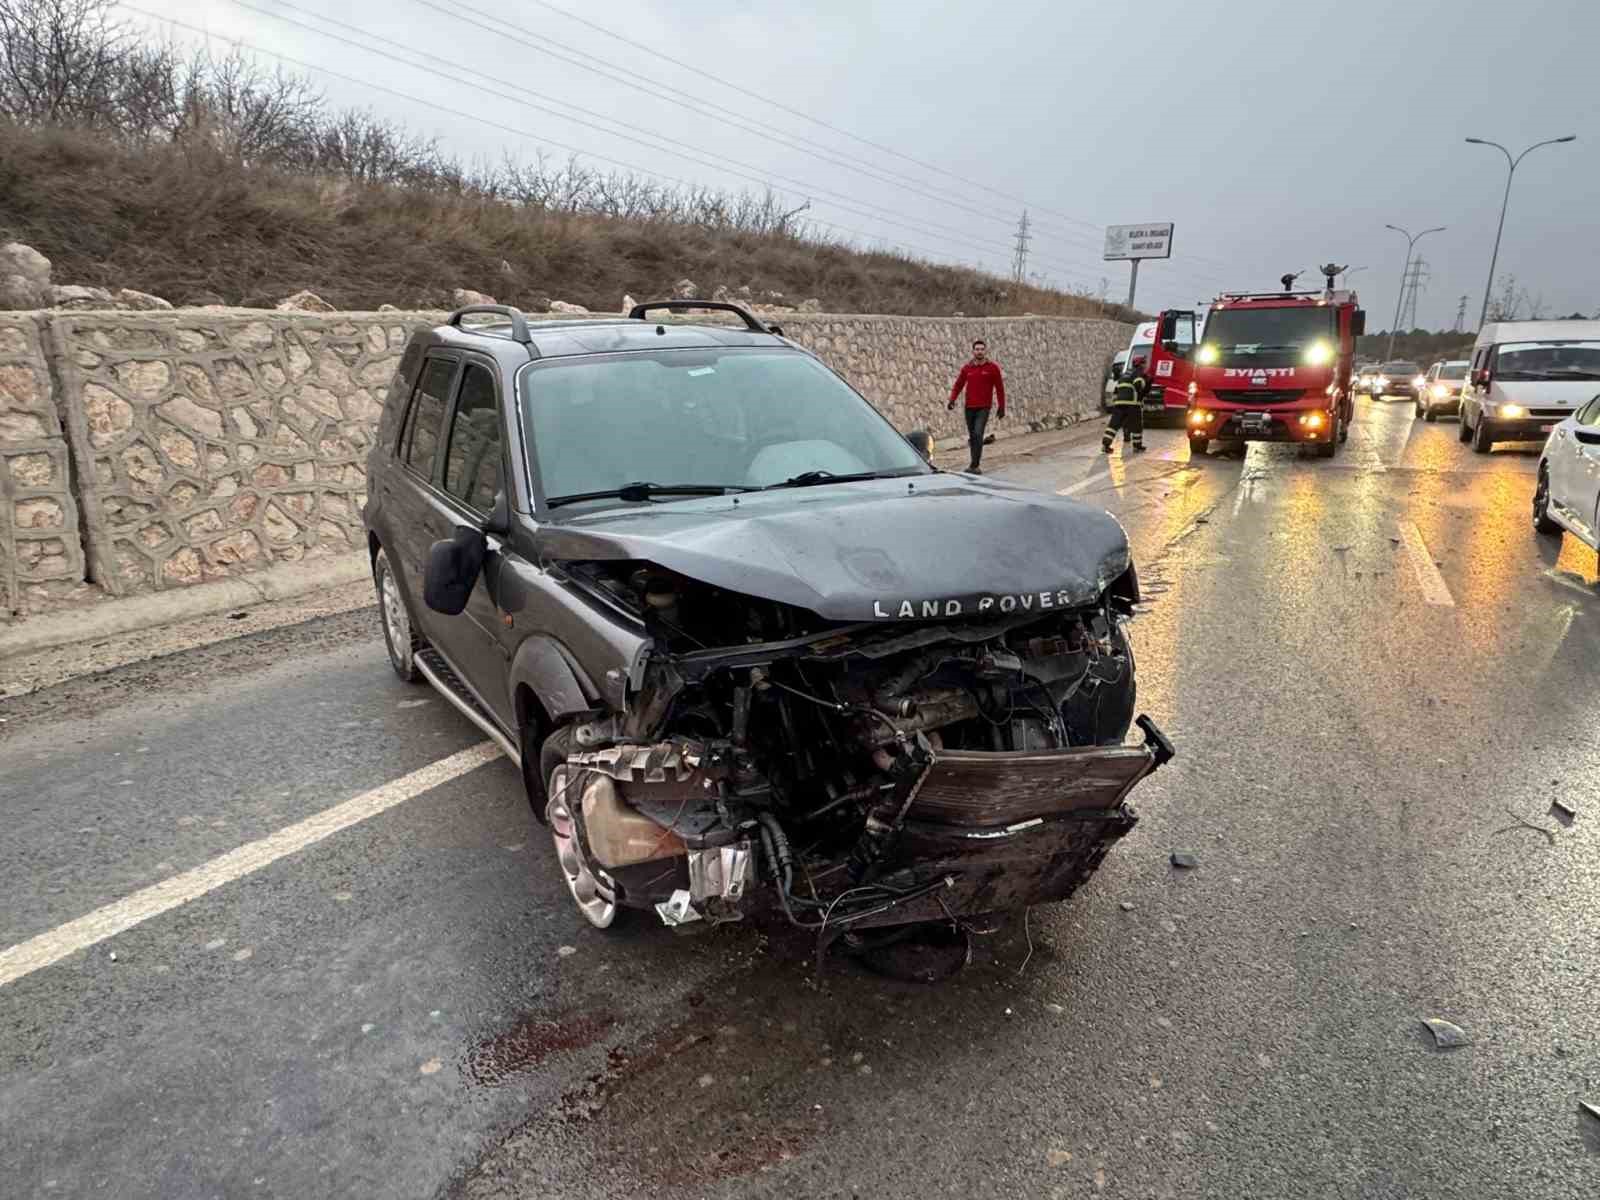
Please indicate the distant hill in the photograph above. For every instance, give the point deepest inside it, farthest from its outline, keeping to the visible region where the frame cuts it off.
(1418, 346)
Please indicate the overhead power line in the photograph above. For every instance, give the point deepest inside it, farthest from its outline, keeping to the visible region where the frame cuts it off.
(632, 132)
(1097, 227)
(535, 139)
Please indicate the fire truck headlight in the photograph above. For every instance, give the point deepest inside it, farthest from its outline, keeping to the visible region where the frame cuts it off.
(1318, 354)
(1208, 355)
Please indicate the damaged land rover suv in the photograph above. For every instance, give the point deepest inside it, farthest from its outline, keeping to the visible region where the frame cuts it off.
(748, 647)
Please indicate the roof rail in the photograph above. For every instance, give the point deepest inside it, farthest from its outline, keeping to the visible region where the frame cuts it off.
(751, 322)
(1271, 295)
(519, 323)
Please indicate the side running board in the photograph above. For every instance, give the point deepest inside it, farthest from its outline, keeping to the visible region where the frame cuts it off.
(449, 685)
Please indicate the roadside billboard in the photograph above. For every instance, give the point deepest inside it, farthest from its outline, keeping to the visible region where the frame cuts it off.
(1153, 239)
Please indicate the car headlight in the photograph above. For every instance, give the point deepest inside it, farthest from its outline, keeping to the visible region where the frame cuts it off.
(1419, 381)
(1440, 391)
(1318, 354)
(1207, 356)
(1380, 381)
(1511, 410)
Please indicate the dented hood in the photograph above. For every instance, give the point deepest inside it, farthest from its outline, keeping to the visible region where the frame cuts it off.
(932, 546)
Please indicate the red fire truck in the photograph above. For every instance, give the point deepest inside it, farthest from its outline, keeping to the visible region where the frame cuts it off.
(1269, 367)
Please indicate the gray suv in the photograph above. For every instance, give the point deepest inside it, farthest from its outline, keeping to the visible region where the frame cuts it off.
(747, 645)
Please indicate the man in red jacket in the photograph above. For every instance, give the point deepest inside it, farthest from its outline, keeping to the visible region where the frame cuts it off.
(984, 386)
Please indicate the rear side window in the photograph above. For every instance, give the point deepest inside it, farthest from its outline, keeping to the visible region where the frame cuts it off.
(472, 462)
(420, 441)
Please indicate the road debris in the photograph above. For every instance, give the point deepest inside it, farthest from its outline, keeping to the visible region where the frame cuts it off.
(1592, 1109)
(1564, 809)
(1057, 1158)
(1125, 905)
(1185, 858)
(1550, 834)
(1446, 1035)
(566, 951)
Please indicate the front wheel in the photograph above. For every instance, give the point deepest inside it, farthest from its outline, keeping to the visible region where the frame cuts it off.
(1416, 408)
(1541, 504)
(1482, 441)
(1197, 446)
(397, 635)
(591, 890)
(1464, 431)
(1430, 413)
(1330, 447)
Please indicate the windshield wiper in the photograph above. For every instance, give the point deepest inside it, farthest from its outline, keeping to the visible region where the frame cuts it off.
(636, 492)
(811, 478)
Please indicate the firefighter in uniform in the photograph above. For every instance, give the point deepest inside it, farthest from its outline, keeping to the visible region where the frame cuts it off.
(1127, 408)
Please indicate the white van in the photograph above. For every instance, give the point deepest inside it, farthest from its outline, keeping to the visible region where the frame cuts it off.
(1526, 378)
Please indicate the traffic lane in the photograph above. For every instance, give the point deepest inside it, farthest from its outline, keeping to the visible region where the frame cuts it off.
(98, 809)
(355, 1019)
(1349, 885)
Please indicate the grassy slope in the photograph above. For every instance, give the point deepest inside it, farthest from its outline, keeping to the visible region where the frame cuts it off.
(183, 225)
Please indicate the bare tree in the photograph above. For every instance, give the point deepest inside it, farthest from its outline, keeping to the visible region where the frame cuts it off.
(59, 59)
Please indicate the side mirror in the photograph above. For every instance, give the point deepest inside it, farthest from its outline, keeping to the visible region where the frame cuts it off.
(1358, 323)
(453, 568)
(1480, 377)
(922, 442)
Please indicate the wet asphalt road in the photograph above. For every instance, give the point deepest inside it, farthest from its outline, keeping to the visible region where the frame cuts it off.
(411, 1007)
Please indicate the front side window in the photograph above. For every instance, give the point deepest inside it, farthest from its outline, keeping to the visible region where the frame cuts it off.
(1590, 414)
(1552, 362)
(472, 461)
(419, 442)
(1453, 371)
(726, 418)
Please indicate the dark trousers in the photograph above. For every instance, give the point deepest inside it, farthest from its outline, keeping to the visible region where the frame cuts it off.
(977, 422)
(1130, 419)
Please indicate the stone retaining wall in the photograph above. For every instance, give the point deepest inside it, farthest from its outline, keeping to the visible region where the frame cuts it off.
(207, 443)
(906, 365)
(211, 443)
(41, 552)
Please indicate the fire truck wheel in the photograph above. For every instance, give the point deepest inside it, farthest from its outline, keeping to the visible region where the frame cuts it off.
(1197, 447)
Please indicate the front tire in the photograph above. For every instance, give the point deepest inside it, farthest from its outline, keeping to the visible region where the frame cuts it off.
(1464, 431)
(398, 636)
(1330, 447)
(1541, 505)
(1430, 414)
(1198, 446)
(1482, 440)
(596, 900)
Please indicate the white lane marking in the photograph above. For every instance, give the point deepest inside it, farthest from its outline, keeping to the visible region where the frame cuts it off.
(120, 915)
(1432, 583)
(1072, 488)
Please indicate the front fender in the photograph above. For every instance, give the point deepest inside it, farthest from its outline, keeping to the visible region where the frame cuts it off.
(550, 673)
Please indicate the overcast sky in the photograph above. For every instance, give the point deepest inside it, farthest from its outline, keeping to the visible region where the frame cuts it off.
(1275, 135)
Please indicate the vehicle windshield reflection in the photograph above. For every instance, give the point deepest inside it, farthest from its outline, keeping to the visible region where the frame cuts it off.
(725, 419)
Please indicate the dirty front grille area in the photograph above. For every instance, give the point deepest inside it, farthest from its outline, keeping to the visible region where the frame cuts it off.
(986, 789)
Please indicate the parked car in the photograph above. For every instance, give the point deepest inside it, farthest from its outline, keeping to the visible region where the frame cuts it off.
(1526, 377)
(1567, 495)
(1397, 378)
(746, 644)
(1441, 389)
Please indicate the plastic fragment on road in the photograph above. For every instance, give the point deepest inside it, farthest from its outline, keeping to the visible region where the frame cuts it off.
(1592, 1109)
(1126, 905)
(1184, 858)
(1564, 808)
(1446, 1035)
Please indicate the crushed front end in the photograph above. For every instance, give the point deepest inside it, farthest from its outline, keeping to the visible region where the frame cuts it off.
(855, 774)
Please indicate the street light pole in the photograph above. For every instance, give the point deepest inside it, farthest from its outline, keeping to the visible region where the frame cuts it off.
(1511, 164)
(1404, 271)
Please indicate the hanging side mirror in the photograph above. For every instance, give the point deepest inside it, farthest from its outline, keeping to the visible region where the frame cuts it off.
(454, 564)
(1358, 323)
(922, 442)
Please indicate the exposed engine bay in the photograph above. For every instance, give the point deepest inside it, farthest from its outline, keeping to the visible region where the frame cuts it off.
(856, 775)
